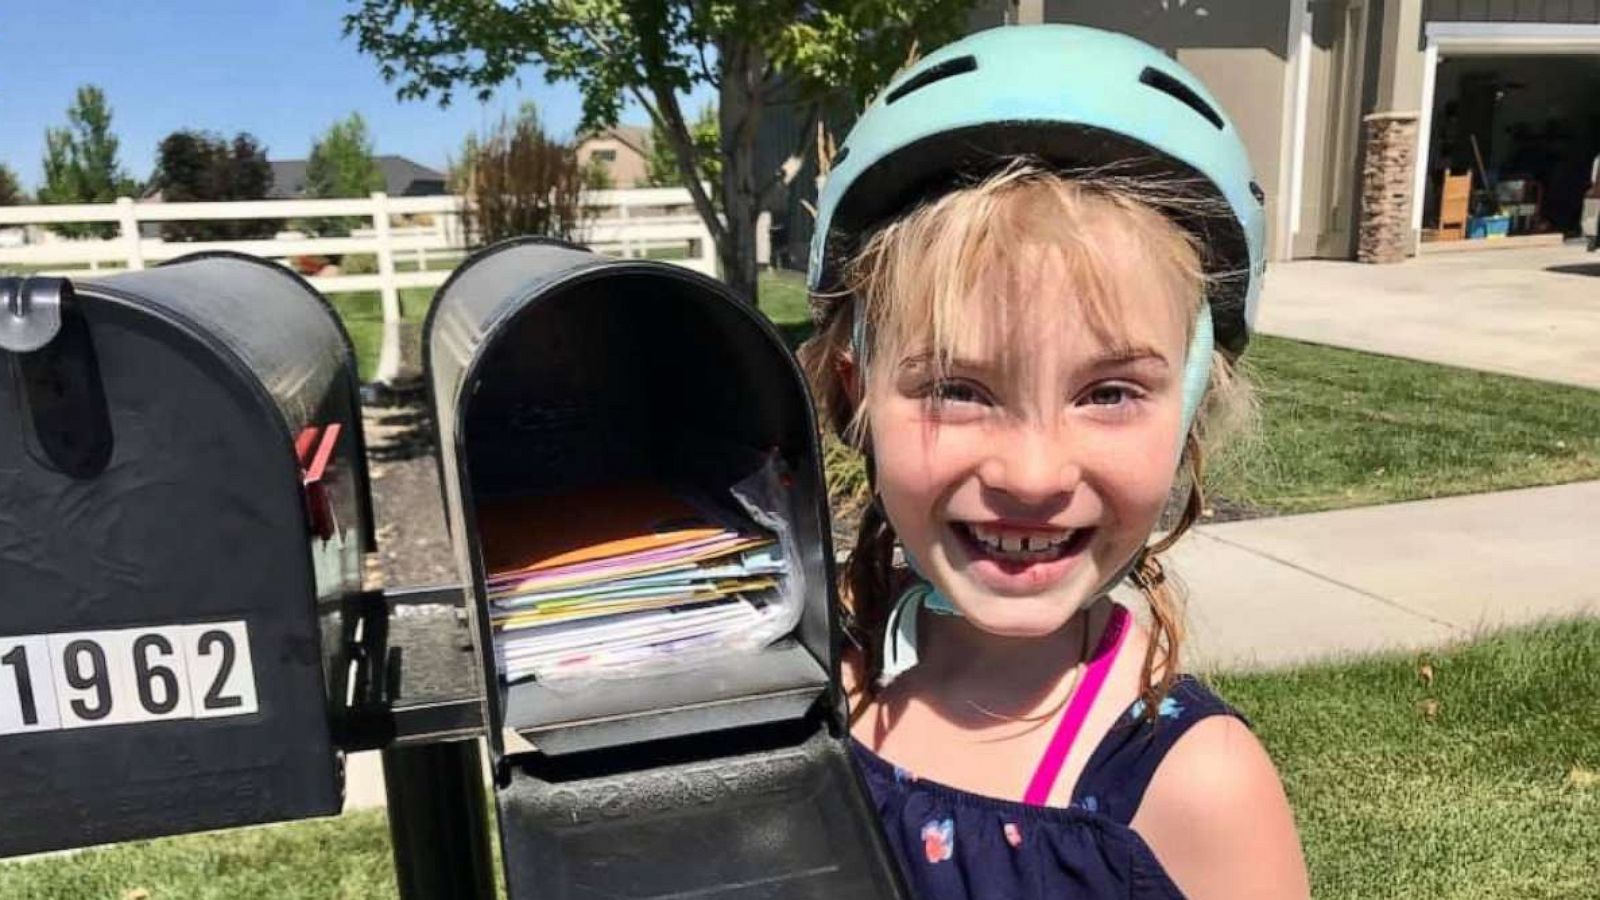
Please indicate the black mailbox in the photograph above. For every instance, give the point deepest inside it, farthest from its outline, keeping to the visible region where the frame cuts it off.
(183, 510)
(559, 375)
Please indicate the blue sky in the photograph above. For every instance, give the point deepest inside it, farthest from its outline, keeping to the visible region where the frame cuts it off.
(279, 69)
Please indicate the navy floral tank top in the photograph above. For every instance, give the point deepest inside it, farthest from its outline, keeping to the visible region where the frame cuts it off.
(956, 845)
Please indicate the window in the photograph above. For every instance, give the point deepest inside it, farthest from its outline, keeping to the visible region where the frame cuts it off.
(604, 155)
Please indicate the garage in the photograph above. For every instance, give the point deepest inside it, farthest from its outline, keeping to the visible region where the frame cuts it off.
(1510, 129)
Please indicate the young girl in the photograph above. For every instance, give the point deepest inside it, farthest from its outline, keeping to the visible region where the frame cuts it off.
(1025, 255)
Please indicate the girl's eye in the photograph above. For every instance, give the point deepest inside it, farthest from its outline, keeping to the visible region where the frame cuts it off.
(951, 396)
(956, 392)
(1110, 395)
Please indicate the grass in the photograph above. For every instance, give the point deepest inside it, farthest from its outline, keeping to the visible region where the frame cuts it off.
(362, 312)
(437, 261)
(1342, 428)
(782, 296)
(1480, 780)
(79, 270)
(348, 858)
(1485, 783)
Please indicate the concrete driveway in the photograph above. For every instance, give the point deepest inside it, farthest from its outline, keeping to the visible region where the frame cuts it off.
(1533, 311)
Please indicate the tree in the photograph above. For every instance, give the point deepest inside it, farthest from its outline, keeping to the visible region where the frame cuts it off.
(342, 165)
(518, 180)
(661, 163)
(753, 52)
(201, 166)
(11, 193)
(80, 163)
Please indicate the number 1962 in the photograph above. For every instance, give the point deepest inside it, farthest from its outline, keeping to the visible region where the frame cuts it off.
(90, 678)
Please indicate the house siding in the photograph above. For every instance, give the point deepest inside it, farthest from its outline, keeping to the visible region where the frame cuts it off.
(1569, 12)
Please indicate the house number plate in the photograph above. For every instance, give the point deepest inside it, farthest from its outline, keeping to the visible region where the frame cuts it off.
(86, 679)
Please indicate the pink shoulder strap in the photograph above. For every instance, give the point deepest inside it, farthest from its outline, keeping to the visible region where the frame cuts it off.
(1055, 755)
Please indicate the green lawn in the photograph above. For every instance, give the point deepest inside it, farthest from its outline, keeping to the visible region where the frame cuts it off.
(1341, 428)
(347, 858)
(438, 261)
(362, 312)
(76, 270)
(1481, 783)
(783, 297)
(1484, 785)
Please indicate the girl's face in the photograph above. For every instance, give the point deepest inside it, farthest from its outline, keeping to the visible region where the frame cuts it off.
(1036, 466)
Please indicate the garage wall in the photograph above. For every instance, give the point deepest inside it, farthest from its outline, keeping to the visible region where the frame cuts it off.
(1238, 48)
(1250, 83)
(1173, 25)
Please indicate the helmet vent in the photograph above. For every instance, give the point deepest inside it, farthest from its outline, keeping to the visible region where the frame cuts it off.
(958, 66)
(1181, 92)
(1258, 193)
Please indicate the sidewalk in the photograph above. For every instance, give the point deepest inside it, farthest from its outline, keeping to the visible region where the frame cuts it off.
(1273, 592)
(1533, 312)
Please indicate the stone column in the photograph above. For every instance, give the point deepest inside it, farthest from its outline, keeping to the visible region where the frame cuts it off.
(1384, 230)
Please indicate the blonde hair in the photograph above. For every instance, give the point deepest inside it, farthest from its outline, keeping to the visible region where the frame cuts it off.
(911, 281)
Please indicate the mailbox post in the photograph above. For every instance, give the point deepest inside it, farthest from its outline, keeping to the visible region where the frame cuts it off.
(549, 367)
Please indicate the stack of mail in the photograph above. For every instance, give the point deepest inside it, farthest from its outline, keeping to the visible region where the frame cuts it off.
(616, 576)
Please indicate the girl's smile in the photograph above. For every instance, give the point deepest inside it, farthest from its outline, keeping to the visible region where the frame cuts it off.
(1020, 559)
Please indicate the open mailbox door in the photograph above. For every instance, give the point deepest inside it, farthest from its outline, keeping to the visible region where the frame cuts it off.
(183, 509)
(664, 715)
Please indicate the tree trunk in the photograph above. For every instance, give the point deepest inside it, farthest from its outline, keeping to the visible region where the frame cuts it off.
(739, 116)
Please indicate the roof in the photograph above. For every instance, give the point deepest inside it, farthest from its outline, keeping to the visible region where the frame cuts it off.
(401, 178)
(635, 136)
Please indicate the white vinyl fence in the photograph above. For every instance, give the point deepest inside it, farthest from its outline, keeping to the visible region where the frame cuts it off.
(653, 222)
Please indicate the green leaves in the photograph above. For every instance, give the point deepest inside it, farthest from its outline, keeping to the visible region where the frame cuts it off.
(803, 54)
(11, 193)
(201, 166)
(614, 48)
(663, 168)
(341, 165)
(80, 163)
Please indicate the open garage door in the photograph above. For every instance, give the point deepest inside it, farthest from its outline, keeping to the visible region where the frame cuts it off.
(1511, 129)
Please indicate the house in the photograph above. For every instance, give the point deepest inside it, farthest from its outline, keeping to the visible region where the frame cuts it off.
(622, 151)
(1337, 101)
(401, 178)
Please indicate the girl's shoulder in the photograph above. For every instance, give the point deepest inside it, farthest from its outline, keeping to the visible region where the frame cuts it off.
(1214, 810)
(1138, 742)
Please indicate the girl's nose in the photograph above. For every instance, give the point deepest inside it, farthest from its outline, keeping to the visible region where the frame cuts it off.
(1032, 465)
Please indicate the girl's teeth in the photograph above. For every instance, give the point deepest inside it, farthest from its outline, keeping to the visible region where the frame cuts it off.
(998, 541)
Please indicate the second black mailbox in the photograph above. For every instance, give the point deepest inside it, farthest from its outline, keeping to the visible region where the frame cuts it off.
(563, 380)
(183, 508)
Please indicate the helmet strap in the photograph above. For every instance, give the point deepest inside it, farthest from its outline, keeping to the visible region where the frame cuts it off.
(1197, 368)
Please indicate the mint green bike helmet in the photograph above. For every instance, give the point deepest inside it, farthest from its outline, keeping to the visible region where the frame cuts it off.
(1070, 97)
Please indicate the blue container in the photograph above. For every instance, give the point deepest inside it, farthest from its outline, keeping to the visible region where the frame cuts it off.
(1488, 226)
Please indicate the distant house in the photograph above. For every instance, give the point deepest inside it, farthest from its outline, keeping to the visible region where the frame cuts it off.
(621, 150)
(401, 178)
